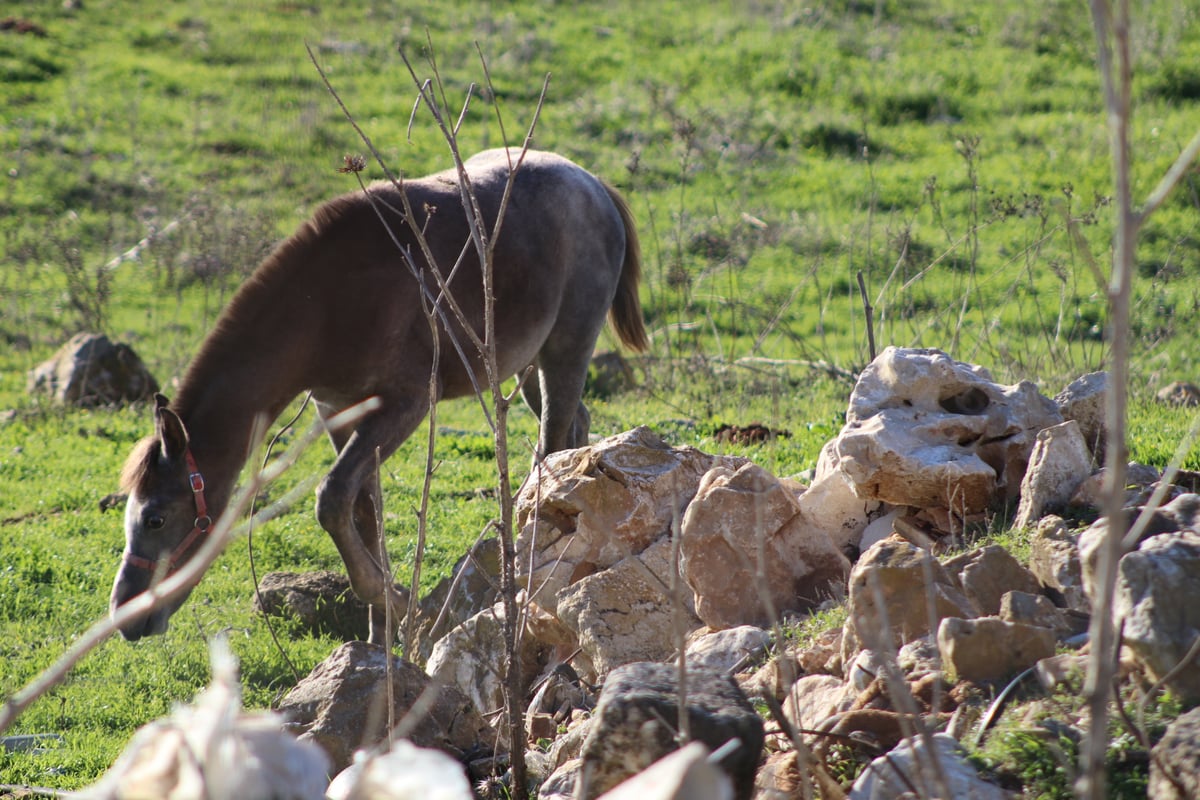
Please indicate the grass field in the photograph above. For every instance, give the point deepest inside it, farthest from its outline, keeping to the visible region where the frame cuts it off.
(953, 154)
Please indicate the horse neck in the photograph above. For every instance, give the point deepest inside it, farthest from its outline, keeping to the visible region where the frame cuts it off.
(242, 379)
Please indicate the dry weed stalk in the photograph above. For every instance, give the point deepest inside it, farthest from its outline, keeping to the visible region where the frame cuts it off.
(1111, 22)
(438, 308)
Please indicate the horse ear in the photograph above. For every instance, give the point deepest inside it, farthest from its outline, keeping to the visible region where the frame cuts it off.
(171, 433)
(160, 401)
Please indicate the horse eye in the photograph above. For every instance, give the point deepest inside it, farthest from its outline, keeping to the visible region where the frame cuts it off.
(155, 522)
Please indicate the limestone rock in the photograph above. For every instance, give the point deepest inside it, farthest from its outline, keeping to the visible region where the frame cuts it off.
(908, 580)
(470, 655)
(1159, 628)
(322, 601)
(342, 706)
(927, 431)
(1054, 561)
(214, 749)
(738, 521)
(1033, 609)
(638, 716)
(685, 774)
(561, 783)
(91, 370)
(1060, 462)
(471, 587)
(1083, 401)
(910, 765)
(405, 772)
(1140, 481)
(815, 698)
(584, 510)
(1175, 767)
(725, 650)
(991, 649)
(986, 573)
(625, 613)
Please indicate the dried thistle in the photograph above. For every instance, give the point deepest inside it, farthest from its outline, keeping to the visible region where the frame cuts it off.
(352, 163)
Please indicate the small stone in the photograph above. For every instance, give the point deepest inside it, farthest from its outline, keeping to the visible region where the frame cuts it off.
(990, 649)
(1175, 766)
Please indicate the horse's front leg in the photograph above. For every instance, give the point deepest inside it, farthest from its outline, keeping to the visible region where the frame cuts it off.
(349, 508)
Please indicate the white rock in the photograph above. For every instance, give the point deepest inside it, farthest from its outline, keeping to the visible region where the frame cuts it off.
(406, 772)
(725, 649)
(924, 430)
(940, 773)
(1059, 464)
(686, 774)
(212, 749)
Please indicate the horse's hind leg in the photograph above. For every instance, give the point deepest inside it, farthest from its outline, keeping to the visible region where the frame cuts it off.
(349, 506)
(562, 372)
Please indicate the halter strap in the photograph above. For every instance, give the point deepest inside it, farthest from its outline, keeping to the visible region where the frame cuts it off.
(199, 528)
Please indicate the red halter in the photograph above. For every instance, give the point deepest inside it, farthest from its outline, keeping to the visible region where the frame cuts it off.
(199, 528)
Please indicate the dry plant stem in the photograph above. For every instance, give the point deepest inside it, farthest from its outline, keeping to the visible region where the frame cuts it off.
(484, 241)
(189, 575)
(1112, 30)
(870, 315)
(679, 625)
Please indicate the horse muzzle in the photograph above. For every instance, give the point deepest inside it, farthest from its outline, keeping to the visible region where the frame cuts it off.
(129, 584)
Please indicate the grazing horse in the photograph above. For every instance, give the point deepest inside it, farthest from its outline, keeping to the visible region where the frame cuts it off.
(336, 310)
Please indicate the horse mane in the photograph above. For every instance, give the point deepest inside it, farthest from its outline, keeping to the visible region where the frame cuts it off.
(259, 287)
(139, 463)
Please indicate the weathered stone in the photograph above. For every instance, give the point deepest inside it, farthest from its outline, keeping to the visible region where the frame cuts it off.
(1083, 401)
(909, 766)
(1060, 462)
(342, 706)
(404, 772)
(470, 656)
(214, 749)
(91, 370)
(780, 777)
(986, 573)
(910, 582)
(927, 431)
(919, 657)
(815, 698)
(584, 510)
(638, 718)
(831, 507)
(1179, 393)
(1054, 561)
(625, 613)
(1033, 609)
(322, 601)
(743, 538)
(561, 783)
(865, 668)
(991, 649)
(471, 587)
(725, 650)
(1140, 481)
(1158, 627)
(685, 774)
(1175, 767)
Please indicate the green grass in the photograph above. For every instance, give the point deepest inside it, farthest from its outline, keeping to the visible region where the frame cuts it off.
(770, 153)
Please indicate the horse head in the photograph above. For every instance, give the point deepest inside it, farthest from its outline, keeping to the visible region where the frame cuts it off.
(166, 516)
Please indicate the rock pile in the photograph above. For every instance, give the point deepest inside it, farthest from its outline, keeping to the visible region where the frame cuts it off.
(665, 575)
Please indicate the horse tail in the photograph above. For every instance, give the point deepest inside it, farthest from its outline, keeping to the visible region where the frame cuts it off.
(626, 312)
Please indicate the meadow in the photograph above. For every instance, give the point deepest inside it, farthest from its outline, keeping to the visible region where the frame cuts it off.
(953, 155)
